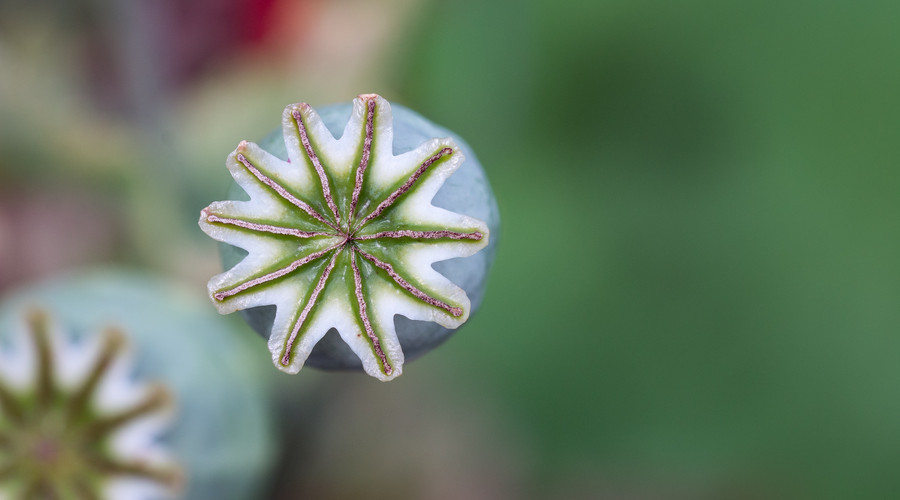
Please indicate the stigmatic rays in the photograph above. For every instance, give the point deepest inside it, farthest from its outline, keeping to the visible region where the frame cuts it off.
(94, 438)
(342, 235)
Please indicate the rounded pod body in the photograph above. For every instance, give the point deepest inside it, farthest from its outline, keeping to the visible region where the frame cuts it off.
(217, 433)
(433, 196)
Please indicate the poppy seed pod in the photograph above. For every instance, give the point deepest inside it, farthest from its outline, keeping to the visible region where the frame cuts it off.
(122, 385)
(359, 236)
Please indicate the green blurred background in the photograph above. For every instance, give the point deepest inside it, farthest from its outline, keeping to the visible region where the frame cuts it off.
(697, 285)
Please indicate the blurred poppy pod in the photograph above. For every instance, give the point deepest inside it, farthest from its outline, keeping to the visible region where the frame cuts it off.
(120, 385)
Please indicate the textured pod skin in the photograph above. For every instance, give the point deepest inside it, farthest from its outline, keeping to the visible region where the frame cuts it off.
(467, 192)
(222, 434)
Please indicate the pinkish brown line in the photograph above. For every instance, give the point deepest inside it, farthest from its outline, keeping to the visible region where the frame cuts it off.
(286, 358)
(266, 228)
(283, 192)
(364, 316)
(406, 185)
(293, 266)
(326, 188)
(419, 294)
(428, 235)
(366, 154)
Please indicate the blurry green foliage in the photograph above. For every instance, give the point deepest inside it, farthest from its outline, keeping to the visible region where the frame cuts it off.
(698, 278)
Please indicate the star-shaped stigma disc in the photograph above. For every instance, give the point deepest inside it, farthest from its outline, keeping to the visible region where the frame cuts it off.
(343, 235)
